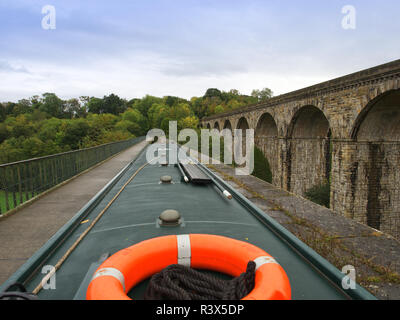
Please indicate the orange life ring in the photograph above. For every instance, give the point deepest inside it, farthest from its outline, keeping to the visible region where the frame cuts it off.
(126, 268)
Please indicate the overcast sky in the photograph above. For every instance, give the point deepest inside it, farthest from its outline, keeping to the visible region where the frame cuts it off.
(173, 47)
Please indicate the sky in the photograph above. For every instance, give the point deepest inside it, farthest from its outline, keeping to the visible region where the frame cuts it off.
(182, 48)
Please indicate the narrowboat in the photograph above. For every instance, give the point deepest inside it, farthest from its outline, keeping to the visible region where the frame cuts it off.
(155, 215)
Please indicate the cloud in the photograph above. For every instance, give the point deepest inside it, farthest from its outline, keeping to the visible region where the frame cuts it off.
(184, 47)
(8, 67)
(202, 67)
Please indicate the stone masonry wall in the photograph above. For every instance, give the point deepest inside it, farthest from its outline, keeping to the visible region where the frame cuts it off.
(364, 177)
(370, 189)
(308, 164)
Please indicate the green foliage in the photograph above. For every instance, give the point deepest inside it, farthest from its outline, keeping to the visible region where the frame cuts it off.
(262, 168)
(144, 105)
(21, 127)
(109, 104)
(72, 132)
(219, 109)
(11, 151)
(320, 194)
(262, 95)
(188, 122)
(215, 101)
(139, 124)
(95, 105)
(211, 93)
(47, 124)
(3, 113)
(4, 134)
(52, 105)
(113, 104)
(49, 129)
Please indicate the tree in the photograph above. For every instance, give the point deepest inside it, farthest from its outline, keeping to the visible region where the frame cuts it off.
(35, 102)
(10, 151)
(113, 104)
(262, 95)
(9, 106)
(170, 101)
(3, 113)
(233, 104)
(234, 92)
(21, 127)
(73, 131)
(49, 128)
(143, 105)
(4, 134)
(212, 92)
(53, 105)
(84, 100)
(155, 115)
(219, 109)
(135, 117)
(190, 122)
(126, 125)
(95, 105)
(72, 108)
(23, 106)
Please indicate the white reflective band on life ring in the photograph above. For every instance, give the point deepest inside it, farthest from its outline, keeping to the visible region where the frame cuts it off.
(111, 272)
(184, 250)
(260, 261)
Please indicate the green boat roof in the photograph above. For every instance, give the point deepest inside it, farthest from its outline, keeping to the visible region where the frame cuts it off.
(133, 217)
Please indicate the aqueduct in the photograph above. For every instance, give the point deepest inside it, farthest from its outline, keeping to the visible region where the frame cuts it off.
(345, 131)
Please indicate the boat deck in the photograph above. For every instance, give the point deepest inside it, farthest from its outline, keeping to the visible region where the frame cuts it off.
(133, 218)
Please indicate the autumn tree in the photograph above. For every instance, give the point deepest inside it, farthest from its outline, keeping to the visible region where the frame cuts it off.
(262, 95)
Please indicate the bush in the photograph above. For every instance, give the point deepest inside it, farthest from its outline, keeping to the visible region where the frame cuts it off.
(320, 194)
(262, 168)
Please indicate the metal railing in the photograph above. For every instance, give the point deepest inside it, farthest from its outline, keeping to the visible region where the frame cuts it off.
(21, 181)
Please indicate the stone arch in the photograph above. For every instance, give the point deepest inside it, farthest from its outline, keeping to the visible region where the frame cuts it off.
(308, 152)
(227, 124)
(375, 172)
(266, 126)
(266, 139)
(308, 122)
(208, 126)
(380, 119)
(242, 124)
(216, 126)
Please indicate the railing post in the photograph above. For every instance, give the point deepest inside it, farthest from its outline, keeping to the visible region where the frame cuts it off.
(14, 185)
(19, 184)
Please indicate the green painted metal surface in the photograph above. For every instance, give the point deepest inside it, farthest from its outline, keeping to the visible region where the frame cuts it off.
(133, 218)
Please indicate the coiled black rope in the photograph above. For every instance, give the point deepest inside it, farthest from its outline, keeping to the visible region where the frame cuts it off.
(17, 291)
(177, 282)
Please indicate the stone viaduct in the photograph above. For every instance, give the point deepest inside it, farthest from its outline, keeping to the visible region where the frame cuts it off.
(345, 131)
